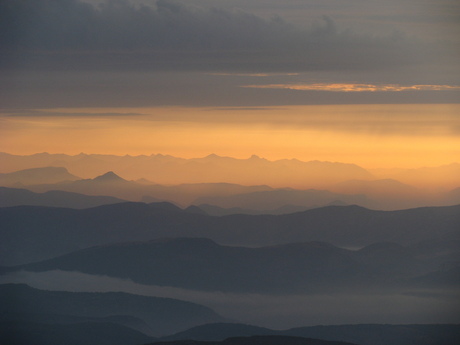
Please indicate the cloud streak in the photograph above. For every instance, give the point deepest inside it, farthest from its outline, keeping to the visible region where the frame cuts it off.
(383, 120)
(337, 87)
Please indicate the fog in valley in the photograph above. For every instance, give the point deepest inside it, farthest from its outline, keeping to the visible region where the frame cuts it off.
(276, 311)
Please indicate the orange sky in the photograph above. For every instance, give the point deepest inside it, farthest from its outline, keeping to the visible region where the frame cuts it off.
(369, 135)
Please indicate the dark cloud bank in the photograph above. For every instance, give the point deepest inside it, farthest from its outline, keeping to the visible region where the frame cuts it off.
(71, 34)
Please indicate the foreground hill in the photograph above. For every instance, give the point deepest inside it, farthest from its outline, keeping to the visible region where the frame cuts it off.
(20, 333)
(200, 264)
(29, 233)
(155, 316)
(17, 197)
(371, 334)
(258, 340)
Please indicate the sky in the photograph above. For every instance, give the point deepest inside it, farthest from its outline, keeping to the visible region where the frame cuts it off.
(359, 81)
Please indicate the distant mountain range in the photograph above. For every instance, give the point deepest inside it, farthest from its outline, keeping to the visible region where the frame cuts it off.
(445, 176)
(258, 199)
(30, 233)
(210, 169)
(200, 264)
(17, 197)
(277, 243)
(261, 198)
(279, 198)
(214, 210)
(164, 169)
(47, 175)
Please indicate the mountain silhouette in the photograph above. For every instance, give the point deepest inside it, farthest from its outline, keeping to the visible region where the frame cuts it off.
(219, 332)
(385, 194)
(162, 316)
(36, 176)
(259, 340)
(165, 169)
(109, 177)
(365, 334)
(201, 264)
(16, 197)
(56, 231)
(88, 333)
(210, 169)
(275, 199)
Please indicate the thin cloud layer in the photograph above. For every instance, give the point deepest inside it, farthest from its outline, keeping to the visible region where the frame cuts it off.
(355, 87)
(117, 35)
(381, 120)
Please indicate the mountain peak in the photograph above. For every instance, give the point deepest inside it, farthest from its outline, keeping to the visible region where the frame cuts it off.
(212, 156)
(109, 177)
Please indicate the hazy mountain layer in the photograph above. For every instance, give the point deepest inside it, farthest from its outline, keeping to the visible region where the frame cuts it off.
(276, 199)
(159, 316)
(200, 264)
(113, 185)
(213, 210)
(293, 173)
(385, 194)
(36, 176)
(16, 197)
(171, 170)
(30, 233)
(446, 176)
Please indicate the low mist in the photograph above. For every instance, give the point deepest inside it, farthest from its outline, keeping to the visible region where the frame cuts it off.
(275, 311)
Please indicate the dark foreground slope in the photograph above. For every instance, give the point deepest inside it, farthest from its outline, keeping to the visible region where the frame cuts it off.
(156, 316)
(258, 340)
(371, 334)
(21, 333)
(201, 264)
(29, 233)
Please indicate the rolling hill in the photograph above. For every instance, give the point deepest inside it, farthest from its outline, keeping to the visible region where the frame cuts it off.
(201, 264)
(366, 334)
(32, 233)
(155, 316)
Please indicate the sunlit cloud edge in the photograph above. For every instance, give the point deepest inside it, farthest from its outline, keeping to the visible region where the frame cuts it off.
(342, 87)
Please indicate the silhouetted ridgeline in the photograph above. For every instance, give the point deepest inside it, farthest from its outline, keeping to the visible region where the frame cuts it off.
(369, 334)
(56, 231)
(151, 315)
(384, 194)
(258, 340)
(100, 333)
(200, 264)
(55, 198)
(36, 176)
(172, 170)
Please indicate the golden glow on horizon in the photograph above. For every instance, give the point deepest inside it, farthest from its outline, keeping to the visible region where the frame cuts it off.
(372, 136)
(354, 87)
